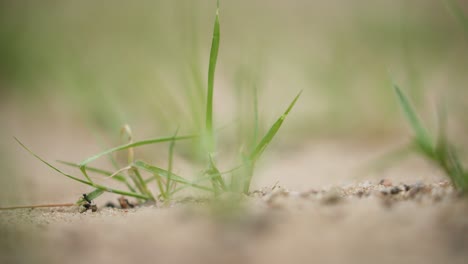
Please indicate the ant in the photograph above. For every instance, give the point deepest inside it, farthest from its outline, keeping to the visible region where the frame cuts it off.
(88, 205)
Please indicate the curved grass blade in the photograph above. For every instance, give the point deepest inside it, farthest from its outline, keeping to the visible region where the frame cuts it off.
(164, 173)
(117, 177)
(211, 73)
(97, 186)
(422, 136)
(200, 180)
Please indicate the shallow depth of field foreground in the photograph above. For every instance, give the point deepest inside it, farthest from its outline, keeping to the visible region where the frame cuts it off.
(233, 131)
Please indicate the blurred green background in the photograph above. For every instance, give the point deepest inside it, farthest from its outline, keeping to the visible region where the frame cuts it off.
(71, 68)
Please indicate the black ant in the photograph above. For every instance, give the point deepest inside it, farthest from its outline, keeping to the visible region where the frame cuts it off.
(88, 205)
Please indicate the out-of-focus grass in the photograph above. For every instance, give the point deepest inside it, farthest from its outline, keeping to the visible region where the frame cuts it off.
(119, 62)
(166, 180)
(441, 152)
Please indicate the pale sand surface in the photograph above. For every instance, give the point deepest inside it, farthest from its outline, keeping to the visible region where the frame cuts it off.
(332, 213)
(353, 224)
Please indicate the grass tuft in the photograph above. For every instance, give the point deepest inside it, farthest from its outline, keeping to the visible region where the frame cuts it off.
(443, 154)
(167, 182)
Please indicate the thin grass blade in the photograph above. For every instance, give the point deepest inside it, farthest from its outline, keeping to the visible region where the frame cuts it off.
(249, 162)
(97, 186)
(211, 74)
(217, 178)
(170, 163)
(422, 136)
(257, 152)
(164, 173)
(134, 171)
(90, 196)
(133, 145)
(117, 177)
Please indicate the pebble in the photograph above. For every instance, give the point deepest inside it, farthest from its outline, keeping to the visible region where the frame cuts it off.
(395, 190)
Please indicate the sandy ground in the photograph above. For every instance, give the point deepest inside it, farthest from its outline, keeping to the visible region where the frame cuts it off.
(326, 211)
(364, 223)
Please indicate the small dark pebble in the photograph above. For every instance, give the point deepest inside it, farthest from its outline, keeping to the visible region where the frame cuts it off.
(110, 205)
(407, 187)
(395, 190)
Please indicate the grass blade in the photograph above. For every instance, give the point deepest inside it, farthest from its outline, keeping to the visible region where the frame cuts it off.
(422, 136)
(257, 152)
(97, 186)
(164, 173)
(199, 180)
(170, 163)
(127, 146)
(133, 145)
(90, 196)
(250, 161)
(211, 74)
(216, 179)
(144, 188)
(442, 143)
(118, 177)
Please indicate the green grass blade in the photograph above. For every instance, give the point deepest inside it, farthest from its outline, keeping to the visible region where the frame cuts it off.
(118, 177)
(257, 152)
(97, 186)
(422, 136)
(133, 145)
(211, 74)
(142, 182)
(217, 179)
(455, 170)
(249, 162)
(170, 163)
(199, 180)
(442, 143)
(164, 173)
(91, 196)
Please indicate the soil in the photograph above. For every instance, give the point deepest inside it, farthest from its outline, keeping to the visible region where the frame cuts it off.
(368, 222)
(314, 209)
